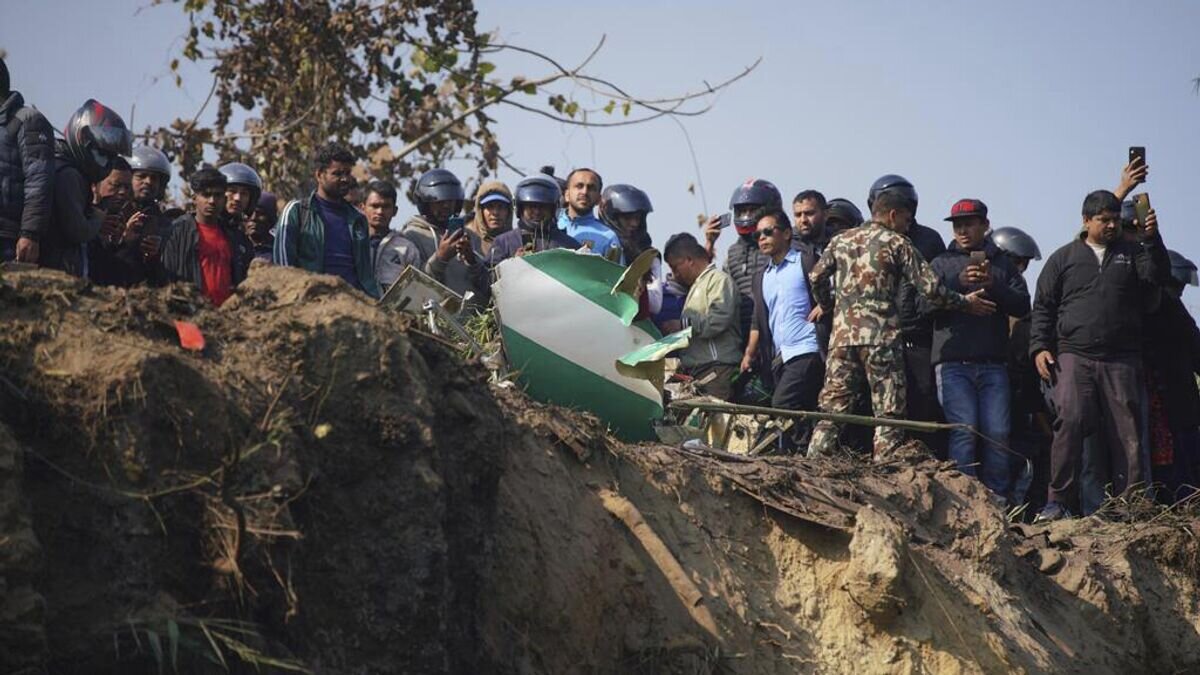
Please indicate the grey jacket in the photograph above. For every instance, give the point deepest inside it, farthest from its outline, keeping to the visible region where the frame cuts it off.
(416, 244)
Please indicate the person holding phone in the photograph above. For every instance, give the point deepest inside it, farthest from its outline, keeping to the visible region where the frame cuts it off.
(1086, 342)
(970, 353)
(858, 279)
(535, 200)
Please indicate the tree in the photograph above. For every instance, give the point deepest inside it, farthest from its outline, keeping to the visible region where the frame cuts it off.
(406, 84)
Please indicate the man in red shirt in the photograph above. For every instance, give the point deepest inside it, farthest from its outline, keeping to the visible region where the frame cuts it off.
(204, 248)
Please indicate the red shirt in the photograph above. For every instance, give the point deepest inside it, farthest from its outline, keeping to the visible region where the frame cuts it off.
(216, 263)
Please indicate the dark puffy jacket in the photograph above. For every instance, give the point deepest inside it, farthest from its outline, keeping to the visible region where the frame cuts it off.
(26, 170)
(742, 263)
(181, 257)
(1095, 310)
(1173, 353)
(958, 336)
(916, 326)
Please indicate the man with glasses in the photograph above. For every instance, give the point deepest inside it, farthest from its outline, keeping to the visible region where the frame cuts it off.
(325, 233)
(783, 338)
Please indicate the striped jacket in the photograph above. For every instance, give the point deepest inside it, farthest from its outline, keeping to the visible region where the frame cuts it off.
(300, 242)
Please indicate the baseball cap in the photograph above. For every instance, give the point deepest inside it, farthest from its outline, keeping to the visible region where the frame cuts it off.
(967, 208)
(494, 197)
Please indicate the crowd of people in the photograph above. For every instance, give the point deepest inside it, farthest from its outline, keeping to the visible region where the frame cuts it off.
(1089, 380)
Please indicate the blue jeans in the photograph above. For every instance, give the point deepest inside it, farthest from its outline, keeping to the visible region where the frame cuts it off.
(977, 394)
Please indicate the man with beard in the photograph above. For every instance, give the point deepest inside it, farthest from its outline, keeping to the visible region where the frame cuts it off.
(578, 219)
(325, 233)
(811, 237)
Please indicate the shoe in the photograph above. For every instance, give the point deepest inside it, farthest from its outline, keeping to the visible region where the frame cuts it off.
(1052, 512)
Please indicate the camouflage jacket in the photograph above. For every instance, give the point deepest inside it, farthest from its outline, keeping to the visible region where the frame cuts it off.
(866, 265)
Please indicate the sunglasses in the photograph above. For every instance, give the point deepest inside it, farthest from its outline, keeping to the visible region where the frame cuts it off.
(763, 234)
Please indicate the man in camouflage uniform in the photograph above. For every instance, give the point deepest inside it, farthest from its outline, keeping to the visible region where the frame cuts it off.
(867, 265)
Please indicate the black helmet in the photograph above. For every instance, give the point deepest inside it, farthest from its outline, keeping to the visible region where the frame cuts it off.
(536, 189)
(438, 185)
(621, 199)
(845, 211)
(96, 135)
(892, 183)
(237, 173)
(1016, 243)
(754, 192)
(1183, 270)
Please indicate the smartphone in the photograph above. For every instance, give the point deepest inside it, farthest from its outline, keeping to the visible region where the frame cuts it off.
(726, 219)
(1141, 204)
(1137, 153)
(454, 224)
(978, 258)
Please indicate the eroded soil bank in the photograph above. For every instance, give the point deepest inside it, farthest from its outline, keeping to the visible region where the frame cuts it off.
(324, 487)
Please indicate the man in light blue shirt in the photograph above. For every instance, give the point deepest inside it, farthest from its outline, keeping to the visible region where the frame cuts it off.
(783, 335)
(579, 221)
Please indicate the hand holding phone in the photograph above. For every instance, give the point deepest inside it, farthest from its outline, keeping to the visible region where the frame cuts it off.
(1141, 205)
(1137, 155)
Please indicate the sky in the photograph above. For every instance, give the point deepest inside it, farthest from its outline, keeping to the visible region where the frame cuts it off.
(1025, 105)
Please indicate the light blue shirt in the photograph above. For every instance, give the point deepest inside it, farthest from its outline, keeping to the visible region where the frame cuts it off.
(785, 293)
(588, 229)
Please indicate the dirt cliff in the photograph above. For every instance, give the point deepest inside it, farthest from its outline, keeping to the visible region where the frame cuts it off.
(325, 488)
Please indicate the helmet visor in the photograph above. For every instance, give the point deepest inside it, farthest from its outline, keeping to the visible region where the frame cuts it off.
(114, 140)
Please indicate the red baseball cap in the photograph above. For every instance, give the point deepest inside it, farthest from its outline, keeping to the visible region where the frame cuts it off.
(967, 208)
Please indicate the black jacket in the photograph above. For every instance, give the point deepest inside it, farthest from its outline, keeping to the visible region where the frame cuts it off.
(764, 357)
(958, 336)
(74, 222)
(915, 325)
(744, 262)
(810, 253)
(124, 265)
(181, 259)
(1096, 310)
(26, 170)
(1173, 355)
